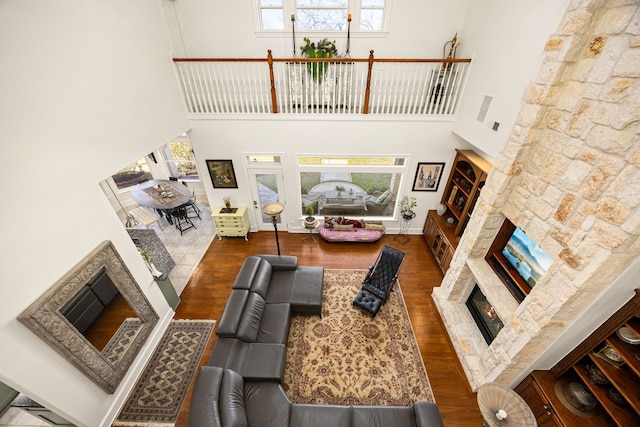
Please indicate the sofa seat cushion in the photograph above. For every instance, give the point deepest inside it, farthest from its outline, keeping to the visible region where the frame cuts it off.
(253, 361)
(274, 325)
(281, 286)
(307, 291)
(309, 415)
(302, 288)
(266, 404)
(397, 416)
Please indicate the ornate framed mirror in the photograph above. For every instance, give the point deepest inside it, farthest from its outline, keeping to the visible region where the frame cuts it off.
(64, 317)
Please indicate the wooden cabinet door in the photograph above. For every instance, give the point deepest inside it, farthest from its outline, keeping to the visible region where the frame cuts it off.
(430, 229)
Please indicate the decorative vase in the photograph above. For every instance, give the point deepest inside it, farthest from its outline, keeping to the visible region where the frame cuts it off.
(408, 215)
(227, 202)
(152, 268)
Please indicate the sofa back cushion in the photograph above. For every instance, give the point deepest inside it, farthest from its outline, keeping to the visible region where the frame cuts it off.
(365, 416)
(247, 273)
(231, 403)
(262, 279)
(310, 415)
(203, 409)
(233, 313)
(249, 325)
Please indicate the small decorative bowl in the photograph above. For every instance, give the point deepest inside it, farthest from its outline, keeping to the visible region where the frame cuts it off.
(580, 397)
(626, 335)
(596, 376)
(615, 396)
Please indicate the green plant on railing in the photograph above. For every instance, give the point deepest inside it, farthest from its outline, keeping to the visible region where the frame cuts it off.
(324, 49)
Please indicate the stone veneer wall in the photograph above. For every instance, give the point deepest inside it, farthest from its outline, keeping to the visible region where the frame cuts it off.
(569, 176)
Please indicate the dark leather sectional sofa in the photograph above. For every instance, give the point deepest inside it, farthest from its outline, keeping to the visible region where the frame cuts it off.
(241, 386)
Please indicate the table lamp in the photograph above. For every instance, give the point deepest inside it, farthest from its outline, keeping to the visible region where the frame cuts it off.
(274, 209)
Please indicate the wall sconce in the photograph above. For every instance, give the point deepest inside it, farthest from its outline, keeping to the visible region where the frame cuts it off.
(274, 209)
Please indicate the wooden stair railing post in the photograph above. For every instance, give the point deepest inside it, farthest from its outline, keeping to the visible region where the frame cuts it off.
(274, 102)
(367, 90)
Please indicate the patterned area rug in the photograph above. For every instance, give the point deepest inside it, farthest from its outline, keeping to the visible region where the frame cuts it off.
(349, 358)
(161, 389)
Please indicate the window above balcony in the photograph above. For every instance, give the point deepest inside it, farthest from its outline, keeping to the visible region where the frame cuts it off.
(323, 15)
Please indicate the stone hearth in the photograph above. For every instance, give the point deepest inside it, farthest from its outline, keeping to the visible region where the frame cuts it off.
(569, 176)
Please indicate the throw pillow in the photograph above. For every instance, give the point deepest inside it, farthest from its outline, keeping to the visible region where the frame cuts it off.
(343, 227)
(329, 221)
(354, 222)
(383, 197)
(378, 227)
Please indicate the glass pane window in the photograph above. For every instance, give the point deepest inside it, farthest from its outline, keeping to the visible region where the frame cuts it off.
(372, 3)
(271, 14)
(272, 19)
(352, 161)
(322, 3)
(371, 19)
(352, 186)
(322, 15)
(262, 159)
(132, 175)
(322, 19)
(180, 160)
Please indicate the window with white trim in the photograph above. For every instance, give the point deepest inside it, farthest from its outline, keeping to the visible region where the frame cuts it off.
(351, 185)
(180, 160)
(322, 15)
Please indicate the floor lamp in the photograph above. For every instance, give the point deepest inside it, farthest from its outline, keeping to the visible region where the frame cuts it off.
(274, 209)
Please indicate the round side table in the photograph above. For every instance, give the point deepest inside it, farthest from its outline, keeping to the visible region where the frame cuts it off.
(310, 226)
(403, 235)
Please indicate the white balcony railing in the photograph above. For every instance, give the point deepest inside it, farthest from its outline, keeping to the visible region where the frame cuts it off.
(348, 86)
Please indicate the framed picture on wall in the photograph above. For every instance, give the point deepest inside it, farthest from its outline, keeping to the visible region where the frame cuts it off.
(428, 177)
(222, 173)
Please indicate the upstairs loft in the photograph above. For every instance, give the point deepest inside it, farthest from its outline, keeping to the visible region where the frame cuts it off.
(424, 88)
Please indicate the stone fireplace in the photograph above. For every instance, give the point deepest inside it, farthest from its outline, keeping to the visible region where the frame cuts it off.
(569, 177)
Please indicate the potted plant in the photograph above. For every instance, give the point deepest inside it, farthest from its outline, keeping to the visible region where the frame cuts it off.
(324, 49)
(309, 220)
(339, 190)
(406, 207)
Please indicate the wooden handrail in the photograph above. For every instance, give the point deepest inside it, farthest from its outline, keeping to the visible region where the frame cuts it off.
(200, 75)
(346, 60)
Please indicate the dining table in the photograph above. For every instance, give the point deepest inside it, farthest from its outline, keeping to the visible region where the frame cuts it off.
(161, 195)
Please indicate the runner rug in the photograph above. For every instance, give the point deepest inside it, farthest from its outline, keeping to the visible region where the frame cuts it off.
(158, 395)
(349, 358)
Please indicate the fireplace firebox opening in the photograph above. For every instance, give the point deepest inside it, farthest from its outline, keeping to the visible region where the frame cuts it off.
(484, 314)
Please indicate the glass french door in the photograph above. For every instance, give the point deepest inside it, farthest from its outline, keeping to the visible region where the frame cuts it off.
(267, 185)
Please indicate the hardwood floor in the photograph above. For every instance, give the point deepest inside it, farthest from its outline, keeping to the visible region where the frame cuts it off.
(206, 293)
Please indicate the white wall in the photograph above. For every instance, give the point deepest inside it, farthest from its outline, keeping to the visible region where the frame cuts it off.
(226, 139)
(506, 39)
(87, 87)
(418, 29)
